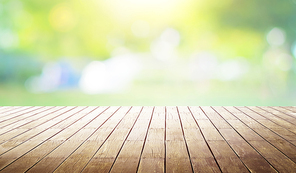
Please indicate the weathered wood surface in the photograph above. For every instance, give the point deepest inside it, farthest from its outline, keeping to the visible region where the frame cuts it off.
(147, 139)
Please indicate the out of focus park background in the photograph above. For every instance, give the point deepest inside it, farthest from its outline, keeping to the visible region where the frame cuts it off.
(147, 52)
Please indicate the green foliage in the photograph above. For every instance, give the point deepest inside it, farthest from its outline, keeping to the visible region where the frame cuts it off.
(77, 28)
(18, 68)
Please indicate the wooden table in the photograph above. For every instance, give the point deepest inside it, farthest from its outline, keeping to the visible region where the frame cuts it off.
(147, 139)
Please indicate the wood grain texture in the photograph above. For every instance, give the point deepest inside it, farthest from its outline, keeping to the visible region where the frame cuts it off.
(147, 139)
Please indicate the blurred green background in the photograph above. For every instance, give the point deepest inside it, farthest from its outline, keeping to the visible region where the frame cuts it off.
(147, 52)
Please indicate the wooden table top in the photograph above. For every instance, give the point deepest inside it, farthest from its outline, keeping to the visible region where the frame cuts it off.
(147, 139)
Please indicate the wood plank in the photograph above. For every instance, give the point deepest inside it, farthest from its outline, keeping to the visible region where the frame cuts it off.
(279, 161)
(238, 144)
(8, 108)
(226, 158)
(291, 108)
(151, 165)
(23, 128)
(177, 158)
(3, 107)
(15, 116)
(215, 118)
(286, 148)
(20, 139)
(154, 146)
(55, 113)
(80, 157)
(49, 155)
(226, 114)
(249, 156)
(104, 157)
(274, 119)
(26, 120)
(12, 112)
(267, 147)
(132, 139)
(284, 133)
(198, 113)
(251, 125)
(277, 140)
(25, 117)
(230, 157)
(158, 120)
(20, 150)
(153, 155)
(202, 159)
(285, 110)
(129, 156)
(39, 152)
(279, 114)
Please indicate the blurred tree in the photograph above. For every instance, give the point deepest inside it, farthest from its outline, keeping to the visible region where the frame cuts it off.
(76, 28)
(261, 16)
(57, 28)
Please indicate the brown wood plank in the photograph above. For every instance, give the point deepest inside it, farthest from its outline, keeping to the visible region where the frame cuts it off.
(17, 116)
(290, 107)
(153, 156)
(78, 159)
(10, 144)
(237, 144)
(16, 147)
(25, 117)
(226, 158)
(152, 139)
(65, 142)
(280, 114)
(215, 118)
(151, 165)
(267, 147)
(276, 121)
(249, 156)
(154, 146)
(263, 126)
(278, 137)
(129, 156)
(229, 161)
(285, 111)
(62, 143)
(20, 150)
(26, 126)
(30, 117)
(12, 133)
(177, 158)
(275, 157)
(200, 154)
(104, 157)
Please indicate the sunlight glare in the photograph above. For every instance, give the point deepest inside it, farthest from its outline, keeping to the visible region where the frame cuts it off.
(152, 11)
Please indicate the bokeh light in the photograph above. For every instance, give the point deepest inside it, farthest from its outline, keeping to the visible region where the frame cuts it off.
(147, 52)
